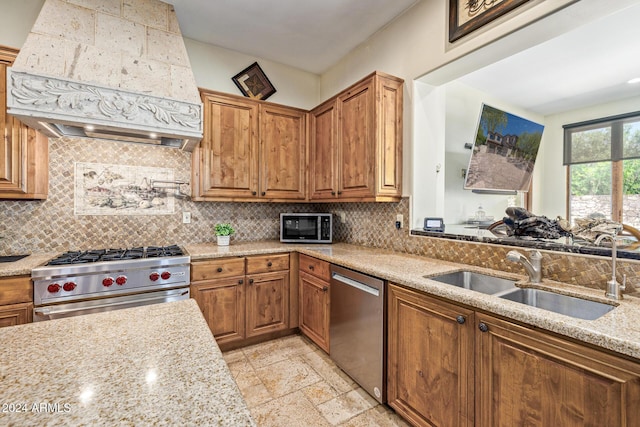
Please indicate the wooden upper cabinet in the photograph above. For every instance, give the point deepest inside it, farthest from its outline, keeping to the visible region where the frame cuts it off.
(225, 164)
(24, 153)
(283, 155)
(250, 151)
(356, 143)
(323, 151)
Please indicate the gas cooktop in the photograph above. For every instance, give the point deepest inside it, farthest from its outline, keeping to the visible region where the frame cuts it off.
(100, 255)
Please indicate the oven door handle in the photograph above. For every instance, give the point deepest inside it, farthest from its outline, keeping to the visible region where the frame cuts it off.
(49, 311)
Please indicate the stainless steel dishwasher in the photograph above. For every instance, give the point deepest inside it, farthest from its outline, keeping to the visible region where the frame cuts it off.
(357, 329)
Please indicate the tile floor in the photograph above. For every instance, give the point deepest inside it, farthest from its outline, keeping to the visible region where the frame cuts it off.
(290, 382)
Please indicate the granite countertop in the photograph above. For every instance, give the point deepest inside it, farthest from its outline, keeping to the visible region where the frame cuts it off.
(25, 265)
(617, 330)
(150, 365)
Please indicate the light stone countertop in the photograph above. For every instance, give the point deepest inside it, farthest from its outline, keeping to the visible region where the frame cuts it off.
(149, 365)
(25, 265)
(618, 330)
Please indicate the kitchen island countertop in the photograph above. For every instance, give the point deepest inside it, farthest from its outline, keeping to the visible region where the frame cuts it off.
(149, 365)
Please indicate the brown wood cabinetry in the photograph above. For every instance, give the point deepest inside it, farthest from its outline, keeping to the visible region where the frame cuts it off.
(242, 298)
(16, 300)
(24, 153)
(314, 300)
(356, 143)
(528, 377)
(250, 151)
(430, 363)
(445, 359)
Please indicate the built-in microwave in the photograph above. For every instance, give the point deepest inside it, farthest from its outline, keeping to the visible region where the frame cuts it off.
(306, 227)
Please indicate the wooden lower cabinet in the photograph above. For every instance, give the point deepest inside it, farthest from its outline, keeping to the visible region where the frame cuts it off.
(444, 360)
(16, 314)
(525, 377)
(243, 298)
(430, 359)
(314, 309)
(222, 303)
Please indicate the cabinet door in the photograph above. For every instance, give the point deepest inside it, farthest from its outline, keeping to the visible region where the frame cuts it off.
(267, 302)
(314, 309)
(228, 153)
(16, 314)
(430, 360)
(222, 303)
(323, 152)
(526, 377)
(356, 133)
(283, 155)
(24, 153)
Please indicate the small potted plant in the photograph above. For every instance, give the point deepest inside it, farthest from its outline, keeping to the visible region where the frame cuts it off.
(223, 233)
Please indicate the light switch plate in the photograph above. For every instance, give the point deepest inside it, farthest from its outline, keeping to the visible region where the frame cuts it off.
(186, 217)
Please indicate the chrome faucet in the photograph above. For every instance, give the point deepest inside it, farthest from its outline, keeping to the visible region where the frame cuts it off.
(533, 267)
(614, 289)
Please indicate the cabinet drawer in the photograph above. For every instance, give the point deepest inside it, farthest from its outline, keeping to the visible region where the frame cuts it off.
(315, 267)
(14, 290)
(267, 263)
(216, 269)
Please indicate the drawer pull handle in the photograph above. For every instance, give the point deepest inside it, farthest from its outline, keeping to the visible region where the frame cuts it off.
(483, 327)
(269, 264)
(219, 269)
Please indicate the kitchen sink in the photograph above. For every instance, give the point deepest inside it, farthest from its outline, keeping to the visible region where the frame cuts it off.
(558, 303)
(475, 281)
(12, 258)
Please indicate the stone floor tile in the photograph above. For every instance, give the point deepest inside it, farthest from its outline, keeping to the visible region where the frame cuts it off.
(292, 410)
(243, 373)
(287, 376)
(380, 416)
(346, 406)
(330, 372)
(255, 394)
(319, 392)
(233, 356)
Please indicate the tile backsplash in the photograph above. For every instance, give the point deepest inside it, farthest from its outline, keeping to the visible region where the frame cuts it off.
(50, 225)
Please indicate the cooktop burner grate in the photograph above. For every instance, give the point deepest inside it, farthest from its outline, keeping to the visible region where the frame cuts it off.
(99, 255)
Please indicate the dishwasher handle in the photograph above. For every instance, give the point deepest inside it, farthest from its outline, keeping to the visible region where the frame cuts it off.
(355, 284)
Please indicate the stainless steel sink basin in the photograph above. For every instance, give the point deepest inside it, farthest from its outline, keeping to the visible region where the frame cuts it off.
(475, 281)
(562, 304)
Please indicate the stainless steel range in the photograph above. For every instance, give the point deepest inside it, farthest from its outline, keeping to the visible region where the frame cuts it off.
(91, 281)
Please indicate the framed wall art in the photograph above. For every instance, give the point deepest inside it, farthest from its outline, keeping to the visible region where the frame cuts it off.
(466, 16)
(253, 82)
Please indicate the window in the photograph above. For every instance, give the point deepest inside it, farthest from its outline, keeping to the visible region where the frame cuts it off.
(603, 157)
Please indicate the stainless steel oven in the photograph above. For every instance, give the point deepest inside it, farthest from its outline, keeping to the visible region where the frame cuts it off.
(93, 281)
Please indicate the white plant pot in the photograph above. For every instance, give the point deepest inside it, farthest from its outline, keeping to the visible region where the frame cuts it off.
(223, 240)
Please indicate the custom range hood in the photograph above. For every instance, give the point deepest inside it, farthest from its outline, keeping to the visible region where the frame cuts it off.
(107, 69)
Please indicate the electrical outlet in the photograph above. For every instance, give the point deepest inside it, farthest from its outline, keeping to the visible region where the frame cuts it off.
(186, 217)
(342, 216)
(399, 221)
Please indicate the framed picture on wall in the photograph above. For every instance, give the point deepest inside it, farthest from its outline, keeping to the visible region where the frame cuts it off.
(466, 16)
(253, 83)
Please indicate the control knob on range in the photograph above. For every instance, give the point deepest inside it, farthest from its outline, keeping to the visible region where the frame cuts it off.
(165, 275)
(107, 281)
(121, 280)
(53, 288)
(154, 276)
(69, 286)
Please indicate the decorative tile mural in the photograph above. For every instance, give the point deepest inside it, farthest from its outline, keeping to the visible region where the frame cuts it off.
(105, 189)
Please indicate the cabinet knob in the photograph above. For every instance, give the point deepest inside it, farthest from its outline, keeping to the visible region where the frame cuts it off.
(219, 269)
(460, 319)
(264, 194)
(251, 281)
(333, 193)
(240, 282)
(269, 264)
(325, 288)
(483, 327)
(310, 267)
(253, 193)
(339, 193)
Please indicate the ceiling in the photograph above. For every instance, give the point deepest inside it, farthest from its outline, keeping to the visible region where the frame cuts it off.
(587, 66)
(309, 35)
